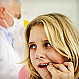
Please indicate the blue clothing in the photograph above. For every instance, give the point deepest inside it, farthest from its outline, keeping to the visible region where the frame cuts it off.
(7, 34)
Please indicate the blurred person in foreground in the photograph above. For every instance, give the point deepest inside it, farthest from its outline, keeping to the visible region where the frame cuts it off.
(9, 59)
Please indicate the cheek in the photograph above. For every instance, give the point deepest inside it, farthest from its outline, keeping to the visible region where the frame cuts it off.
(32, 57)
(54, 56)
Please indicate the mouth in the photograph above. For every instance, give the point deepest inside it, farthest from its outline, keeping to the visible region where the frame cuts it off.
(43, 65)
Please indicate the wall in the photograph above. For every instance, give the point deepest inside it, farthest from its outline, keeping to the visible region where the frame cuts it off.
(33, 8)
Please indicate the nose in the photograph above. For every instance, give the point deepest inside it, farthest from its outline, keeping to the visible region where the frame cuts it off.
(18, 16)
(40, 57)
(40, 54)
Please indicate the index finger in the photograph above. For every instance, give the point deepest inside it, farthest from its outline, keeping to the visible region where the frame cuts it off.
(69, 65)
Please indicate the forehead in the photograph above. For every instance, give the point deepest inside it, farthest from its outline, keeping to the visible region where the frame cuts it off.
(37, 33)
(13, 8)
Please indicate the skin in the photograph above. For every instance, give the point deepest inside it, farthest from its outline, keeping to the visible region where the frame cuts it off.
(13, 9)
(41, 52)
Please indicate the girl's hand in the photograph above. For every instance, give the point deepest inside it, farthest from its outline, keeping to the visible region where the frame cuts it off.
(61, 71)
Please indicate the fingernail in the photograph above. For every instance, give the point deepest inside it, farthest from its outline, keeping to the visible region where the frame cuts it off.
(50, 63)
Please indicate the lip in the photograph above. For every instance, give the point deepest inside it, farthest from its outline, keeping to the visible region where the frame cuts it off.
(47, 63)
(43, 64)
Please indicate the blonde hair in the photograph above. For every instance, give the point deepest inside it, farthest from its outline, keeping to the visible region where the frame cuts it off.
(61, 34)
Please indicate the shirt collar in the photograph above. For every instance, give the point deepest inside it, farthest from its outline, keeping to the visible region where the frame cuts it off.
(5, 30)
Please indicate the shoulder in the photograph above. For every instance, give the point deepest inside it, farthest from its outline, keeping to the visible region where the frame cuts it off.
(23, 73)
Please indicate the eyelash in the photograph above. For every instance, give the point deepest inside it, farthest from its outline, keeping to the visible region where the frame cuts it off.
(31, 46)
(45, 45)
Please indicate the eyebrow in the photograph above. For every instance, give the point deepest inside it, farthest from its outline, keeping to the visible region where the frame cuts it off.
(45, 41)
(31, 42)
(41, 41)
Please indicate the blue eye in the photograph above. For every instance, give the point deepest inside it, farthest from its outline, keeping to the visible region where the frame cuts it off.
(47, 44)
(33, 46)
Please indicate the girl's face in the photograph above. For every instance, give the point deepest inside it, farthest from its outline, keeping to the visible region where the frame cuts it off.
(41, 52)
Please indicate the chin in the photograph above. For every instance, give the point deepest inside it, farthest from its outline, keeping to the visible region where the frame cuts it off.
(46, 75)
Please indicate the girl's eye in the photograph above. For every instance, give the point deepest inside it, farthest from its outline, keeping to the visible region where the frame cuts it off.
(47, 45)
(33, 46)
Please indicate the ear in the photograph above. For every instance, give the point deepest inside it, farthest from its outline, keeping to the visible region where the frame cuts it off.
(2, 11)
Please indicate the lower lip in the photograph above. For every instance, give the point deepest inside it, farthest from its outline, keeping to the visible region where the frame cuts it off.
(43, 67)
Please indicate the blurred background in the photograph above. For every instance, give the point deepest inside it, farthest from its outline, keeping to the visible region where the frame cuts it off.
(33, 8)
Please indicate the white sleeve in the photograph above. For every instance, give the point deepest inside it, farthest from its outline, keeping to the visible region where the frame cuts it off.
(8, 70)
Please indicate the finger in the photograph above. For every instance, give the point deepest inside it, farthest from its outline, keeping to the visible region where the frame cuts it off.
(59, 72)
(51, 69)
(69, 65)
(55, 72)
(61, 67)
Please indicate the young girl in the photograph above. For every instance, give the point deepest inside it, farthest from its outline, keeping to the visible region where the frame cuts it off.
(52, 47)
